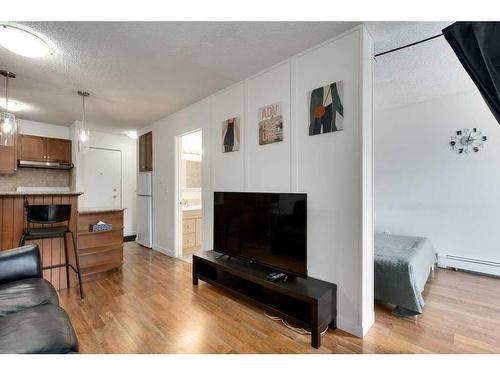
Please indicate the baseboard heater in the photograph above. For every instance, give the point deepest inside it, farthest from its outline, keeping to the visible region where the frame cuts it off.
(470, 264)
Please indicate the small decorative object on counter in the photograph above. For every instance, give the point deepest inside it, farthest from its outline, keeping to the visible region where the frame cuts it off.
(101, 226)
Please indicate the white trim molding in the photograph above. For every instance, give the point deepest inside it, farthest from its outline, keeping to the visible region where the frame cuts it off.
(163, 250)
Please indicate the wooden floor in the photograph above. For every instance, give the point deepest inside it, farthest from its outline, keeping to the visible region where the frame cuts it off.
(152, 307)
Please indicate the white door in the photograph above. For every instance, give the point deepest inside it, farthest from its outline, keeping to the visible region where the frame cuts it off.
(101, 176)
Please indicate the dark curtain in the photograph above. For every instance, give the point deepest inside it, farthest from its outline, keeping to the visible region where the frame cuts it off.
(477, 46)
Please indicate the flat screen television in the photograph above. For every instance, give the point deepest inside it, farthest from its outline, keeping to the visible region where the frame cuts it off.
(267, 228)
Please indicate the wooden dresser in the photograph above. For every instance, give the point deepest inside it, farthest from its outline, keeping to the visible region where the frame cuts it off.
(101, 253)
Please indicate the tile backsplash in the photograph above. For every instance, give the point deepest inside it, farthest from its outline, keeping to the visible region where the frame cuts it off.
(35, 177)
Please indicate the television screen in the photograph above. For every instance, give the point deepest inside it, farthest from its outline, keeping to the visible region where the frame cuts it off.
(269, 228)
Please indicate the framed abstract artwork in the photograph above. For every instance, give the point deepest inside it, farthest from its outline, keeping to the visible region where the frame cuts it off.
(326, 109)
(231, 134)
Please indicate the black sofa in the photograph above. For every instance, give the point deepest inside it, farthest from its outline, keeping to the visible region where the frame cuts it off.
(31, 320)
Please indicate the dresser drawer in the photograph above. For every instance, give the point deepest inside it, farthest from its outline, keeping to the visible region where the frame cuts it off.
(188, 226)
(189, 240)
(98, 239)
(111, 256)
(198, 232)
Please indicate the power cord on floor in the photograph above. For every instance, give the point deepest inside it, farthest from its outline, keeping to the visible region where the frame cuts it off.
(300, 331)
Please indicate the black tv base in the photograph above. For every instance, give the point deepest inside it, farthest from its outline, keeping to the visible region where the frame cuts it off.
(303, 302)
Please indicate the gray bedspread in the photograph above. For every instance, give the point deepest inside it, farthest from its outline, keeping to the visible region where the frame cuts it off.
(402, 266)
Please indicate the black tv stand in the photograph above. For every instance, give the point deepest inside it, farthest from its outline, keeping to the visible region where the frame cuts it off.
(304, 302)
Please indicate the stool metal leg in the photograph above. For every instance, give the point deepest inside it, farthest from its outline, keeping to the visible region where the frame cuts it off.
(21, 240)
(66, 259)
(77, 262)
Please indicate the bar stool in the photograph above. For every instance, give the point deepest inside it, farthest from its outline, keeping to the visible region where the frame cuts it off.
(48, 214)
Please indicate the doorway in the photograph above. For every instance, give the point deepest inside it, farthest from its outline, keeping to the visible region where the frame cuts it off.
(101, 177)
(189, 191)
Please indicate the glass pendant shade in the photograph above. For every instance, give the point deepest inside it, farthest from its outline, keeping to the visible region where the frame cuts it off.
(8, 123)
(83, 138)
(8, 129)
(83, 132)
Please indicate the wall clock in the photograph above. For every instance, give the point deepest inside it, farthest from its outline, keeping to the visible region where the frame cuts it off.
(467, 140)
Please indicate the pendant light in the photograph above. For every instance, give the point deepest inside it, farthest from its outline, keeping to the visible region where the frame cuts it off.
(83, 132)
(8, 123)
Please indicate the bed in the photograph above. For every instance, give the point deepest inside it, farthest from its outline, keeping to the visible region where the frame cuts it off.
(402, 267)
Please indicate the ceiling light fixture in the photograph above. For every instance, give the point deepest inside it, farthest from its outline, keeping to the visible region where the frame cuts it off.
(8, 123)
(131, 134)
(14, 105)
(23, 42)
(83, 132)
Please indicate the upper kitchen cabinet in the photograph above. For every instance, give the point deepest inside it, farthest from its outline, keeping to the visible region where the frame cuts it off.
(8, 159)
(58, 150)
(31, 148)
(146, 152)
(42, 149)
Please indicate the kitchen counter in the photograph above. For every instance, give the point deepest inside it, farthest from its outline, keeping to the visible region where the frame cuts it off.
(101, 252)
(13, 222)
(21, 193)
(97, 210)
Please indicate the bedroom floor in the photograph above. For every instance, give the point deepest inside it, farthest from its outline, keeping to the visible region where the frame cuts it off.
(152, 307)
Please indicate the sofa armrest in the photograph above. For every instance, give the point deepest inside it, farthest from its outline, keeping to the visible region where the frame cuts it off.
(20, 263)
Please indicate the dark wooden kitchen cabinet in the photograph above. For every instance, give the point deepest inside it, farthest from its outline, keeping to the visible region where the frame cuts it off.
(34, 148)
(149, 151)
(142, 153)
(146, 152)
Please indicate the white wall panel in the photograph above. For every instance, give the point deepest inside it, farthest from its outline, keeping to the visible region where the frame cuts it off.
(268, 166)
(228, 169)
(329, 171)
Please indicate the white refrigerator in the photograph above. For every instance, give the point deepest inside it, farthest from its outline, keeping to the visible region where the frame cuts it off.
(144, 209)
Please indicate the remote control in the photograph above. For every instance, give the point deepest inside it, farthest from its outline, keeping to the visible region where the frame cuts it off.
(275, 276)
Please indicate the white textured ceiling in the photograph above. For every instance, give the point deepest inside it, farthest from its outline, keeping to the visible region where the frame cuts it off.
(140, 72)
(418, 73)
